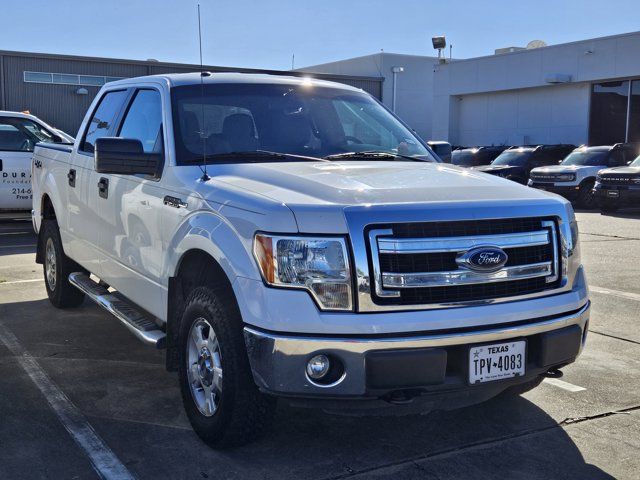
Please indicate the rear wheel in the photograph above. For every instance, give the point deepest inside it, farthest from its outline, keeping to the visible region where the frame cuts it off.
(222, 401)
(57, 267)
(586, 196)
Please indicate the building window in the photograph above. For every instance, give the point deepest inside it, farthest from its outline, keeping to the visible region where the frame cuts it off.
(634, 112)
(608, 116)
(68, 79)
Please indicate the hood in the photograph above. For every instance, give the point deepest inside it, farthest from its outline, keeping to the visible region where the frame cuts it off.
(318, 192)
(563, 168)
(620, 171)
(495, 168)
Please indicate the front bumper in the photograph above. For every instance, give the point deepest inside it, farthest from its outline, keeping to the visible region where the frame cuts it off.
(623, 193)
(434, 363)
(569, 191)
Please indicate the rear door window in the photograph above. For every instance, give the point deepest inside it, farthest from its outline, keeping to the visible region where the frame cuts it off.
(103, 120)
(143, 121)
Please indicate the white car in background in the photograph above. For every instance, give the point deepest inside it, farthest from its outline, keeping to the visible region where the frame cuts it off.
(19, 133)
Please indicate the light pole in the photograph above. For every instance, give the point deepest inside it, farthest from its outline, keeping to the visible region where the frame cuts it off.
(396, 71)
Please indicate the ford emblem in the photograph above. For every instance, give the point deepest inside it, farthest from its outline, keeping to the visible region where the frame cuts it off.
(483, 259)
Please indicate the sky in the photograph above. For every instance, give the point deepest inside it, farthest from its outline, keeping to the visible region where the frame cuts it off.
(267, 33)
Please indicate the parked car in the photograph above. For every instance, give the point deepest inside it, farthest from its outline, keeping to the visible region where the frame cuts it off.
(618, 187)
(476, 156)
(19, 133)
(247, 228)
(441, 149)
(575, 177)
(515, 163)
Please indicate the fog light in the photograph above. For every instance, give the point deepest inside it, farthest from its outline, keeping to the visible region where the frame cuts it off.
(318, 367)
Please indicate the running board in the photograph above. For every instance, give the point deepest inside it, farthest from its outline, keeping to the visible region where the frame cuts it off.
(138, 323)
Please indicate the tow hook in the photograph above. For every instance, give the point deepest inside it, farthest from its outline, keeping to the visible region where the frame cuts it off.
(553, 373)
(399, 398)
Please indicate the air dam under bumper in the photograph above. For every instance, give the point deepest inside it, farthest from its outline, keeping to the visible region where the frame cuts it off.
(431, 363)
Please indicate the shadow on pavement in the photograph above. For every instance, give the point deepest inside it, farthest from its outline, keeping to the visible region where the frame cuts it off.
(122, 388)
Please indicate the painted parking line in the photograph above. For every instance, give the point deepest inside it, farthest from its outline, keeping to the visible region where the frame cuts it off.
(570, 387)
(104, 461)
(13, 282)
(616, 293)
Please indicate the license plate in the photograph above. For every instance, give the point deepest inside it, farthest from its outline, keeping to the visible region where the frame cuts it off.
(612, 193)
(496, 362)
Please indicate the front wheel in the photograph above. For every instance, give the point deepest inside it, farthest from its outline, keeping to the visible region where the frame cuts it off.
(222, 401)
(586, 196)
(57, 267)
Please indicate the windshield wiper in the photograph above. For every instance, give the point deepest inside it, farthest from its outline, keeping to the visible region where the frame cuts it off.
(256, 156)
(373, 154)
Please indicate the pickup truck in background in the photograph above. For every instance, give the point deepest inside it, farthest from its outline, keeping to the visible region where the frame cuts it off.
(285, 237)
(19, 133)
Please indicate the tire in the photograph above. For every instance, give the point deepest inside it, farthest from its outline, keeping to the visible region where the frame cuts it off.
(236, 412)
(57, 267)
(586, 196)
(608, 206)
(524, 387)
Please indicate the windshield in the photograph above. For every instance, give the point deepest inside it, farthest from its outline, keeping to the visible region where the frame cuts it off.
(585, 157)
(513, 157)
(471, 158)
(636, 162)
(21, 134)
(291, 119)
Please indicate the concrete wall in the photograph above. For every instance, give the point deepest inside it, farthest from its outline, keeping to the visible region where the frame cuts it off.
(414, 88)
(507, 98)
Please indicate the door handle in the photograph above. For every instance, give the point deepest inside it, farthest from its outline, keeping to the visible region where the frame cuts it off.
(103, 187)
(71, 176)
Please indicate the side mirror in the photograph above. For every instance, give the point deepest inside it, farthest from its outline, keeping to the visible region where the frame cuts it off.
(125, 156)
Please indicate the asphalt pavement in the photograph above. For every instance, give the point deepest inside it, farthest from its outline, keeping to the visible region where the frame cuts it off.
(76, 388)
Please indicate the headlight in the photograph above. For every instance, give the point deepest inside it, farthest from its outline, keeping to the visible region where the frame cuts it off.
(566, 177)
(318, 265)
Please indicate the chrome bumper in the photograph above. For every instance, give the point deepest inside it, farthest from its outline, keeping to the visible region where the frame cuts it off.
(278, 361)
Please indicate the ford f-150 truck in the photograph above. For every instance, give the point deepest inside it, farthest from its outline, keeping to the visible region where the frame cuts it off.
(286, 237)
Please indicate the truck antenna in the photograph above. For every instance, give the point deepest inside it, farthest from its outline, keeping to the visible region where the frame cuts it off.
(203, 130)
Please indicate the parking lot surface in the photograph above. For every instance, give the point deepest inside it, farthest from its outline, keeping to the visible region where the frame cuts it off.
(75, 383)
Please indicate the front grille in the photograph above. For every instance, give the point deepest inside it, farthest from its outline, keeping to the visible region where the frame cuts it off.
(621, 180)
(406, 250)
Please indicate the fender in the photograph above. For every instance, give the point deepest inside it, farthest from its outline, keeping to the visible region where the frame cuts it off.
(211, 233)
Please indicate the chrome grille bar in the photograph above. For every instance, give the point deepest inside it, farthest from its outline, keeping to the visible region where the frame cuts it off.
(459, 244)
(464, 276)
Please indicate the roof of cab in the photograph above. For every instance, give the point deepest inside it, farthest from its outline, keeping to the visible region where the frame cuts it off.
(194, 78)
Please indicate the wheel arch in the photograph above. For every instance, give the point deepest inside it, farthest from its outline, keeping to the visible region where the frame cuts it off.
(47, 212)
(195, 268)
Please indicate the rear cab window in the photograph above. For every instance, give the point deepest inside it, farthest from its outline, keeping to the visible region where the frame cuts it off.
(104, 119)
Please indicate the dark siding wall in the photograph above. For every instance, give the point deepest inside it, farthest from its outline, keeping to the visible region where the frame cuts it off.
(58, 105)
(63, 108)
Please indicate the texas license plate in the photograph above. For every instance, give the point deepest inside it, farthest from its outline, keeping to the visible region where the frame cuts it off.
(612, 193)
(496, 362)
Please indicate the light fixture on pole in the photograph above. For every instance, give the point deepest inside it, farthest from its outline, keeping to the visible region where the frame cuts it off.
(439, 43)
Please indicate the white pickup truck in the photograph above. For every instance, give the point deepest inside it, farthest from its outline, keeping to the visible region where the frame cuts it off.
(19, 133)
(284, 237)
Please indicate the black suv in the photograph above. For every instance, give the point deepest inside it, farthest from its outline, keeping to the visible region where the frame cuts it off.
(515, 163)
(476, 156)
(618, 187)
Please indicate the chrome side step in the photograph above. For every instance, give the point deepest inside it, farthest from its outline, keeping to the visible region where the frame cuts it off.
(138, 323)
